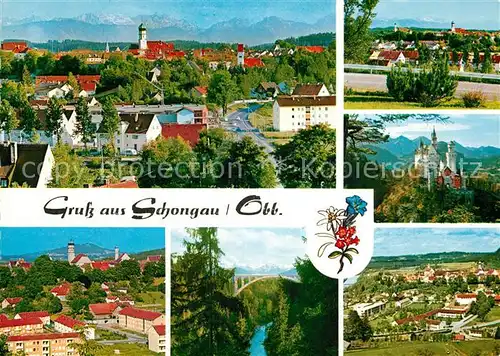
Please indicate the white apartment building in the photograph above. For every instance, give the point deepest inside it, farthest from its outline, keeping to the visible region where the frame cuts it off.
(293, 113)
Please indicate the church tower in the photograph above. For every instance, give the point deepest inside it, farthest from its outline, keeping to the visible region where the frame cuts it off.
(143, 42)
(117, 253)
(451, 157)
(71, 251)
(453, 29)
(107, 47)
(395, 27)
(241, 55)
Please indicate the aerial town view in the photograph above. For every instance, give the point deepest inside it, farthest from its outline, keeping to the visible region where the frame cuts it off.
(108, 96)
(249, 291)
(82, 291)
(443, 298)
(426, 167)
(445, 56)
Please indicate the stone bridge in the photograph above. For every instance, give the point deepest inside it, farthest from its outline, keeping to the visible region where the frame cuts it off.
(247, 280)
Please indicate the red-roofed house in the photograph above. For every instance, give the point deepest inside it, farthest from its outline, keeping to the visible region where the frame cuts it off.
(465, 298)
(312, 49)
(18, 48)
(156, 338)
(21, 326)
(104, 312)
(10, 302)
(101, 265)
(80, 260)
(188, 132)
(65, 324)
(20, 263)
(3, 317)
(459, 337)
(140, 320)
(452, 312)
(42, 315)
(111, 299)
(199, 92)
(497, 299)
(38, 345)
(61, 291)
(125, 184)
(435, 325)
(253, 63)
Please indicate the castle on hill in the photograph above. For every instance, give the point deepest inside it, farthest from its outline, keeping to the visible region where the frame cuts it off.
(430, 166)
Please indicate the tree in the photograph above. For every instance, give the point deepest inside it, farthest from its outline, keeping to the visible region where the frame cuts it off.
(68, 170)
(73, 83)
(77, 300)
(95, 293)
(204, 317)
(110, 122)
(222, 90)
(84, 126)
(54, 118)
(247, 166)
(358, 17)
(497, 333)
(4, 347)
(5, 277)
(308, 159)
(357, 328)
(487, 66)
(26, 78)
(87, 347)
(8, 118)
(29, 121)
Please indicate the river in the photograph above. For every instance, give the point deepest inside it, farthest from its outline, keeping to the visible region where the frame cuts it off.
(257, 342)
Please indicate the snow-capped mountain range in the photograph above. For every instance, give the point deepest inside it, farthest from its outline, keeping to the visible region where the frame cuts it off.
(120, 28)
(267, 269)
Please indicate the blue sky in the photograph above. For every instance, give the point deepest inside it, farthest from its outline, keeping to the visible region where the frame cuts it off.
(465, 13)
(405, 241)
(17, 241)
(253, 247)
(202, 13)
(468, 130)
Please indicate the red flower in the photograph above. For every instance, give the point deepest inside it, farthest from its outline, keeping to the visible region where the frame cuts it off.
(340, 244)
(342, 232)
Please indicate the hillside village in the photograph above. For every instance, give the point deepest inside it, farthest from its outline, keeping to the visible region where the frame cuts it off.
(117, 101)
(60, 307)
(446, 302)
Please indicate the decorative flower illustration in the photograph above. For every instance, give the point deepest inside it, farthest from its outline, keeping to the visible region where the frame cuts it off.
(333, 218)
(340, 230)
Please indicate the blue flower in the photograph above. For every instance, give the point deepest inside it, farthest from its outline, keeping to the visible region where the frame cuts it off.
(356, 205)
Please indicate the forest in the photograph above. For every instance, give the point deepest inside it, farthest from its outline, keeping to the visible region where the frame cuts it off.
(207, 319)
(400, 195)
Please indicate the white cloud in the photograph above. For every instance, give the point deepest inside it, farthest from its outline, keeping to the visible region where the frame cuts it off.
(416, 129)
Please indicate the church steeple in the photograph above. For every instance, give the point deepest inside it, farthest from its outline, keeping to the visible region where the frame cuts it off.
(107, 47)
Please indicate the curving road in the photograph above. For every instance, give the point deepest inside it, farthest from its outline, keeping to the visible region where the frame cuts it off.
(377, 82)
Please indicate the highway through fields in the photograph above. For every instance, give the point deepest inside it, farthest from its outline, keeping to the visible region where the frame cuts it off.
(377, 82)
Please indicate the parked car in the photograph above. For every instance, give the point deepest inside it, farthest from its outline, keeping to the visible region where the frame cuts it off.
(130, 152)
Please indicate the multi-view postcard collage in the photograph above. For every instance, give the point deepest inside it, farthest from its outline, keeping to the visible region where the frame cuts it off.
(295, 177)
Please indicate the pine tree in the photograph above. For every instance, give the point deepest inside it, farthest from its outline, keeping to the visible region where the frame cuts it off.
(27, 77)
(487, 66)
(8, 118)
(54, 119)
(84, 126)
(73, 83)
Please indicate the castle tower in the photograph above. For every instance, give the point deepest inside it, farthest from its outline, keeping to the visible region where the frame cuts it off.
(451, 157)
(143, 42)
(117, 253)
(71, 251)
(434, 138)
(453, 26)
(241, 54)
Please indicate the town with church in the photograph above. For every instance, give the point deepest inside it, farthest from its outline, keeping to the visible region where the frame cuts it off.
(116, 302)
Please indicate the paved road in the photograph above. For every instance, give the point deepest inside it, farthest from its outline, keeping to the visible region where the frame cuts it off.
(377, 82)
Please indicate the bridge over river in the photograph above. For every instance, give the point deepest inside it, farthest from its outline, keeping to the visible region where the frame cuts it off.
(240, 282)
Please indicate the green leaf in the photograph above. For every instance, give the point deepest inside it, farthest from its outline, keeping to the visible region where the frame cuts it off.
(353, 250)
(323, 247)
(349, 257)
(325, 235)
(335, 254)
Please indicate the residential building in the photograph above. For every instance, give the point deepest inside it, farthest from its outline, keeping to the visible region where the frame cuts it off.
(450, 312)
(293, 113)
(65, 324)
(311, 90)
(403, 302)
(10, 302)
(199, 92)
(21, 326)
(435, 325)
(269, 89)
(61, 291)
(156, 339)
(369, 309)
(22, 163)
(135, 131)
(183, 114)
(105, 313)
(465, 298)
(189, 133)
(140, 320)
(44, 344)
(42, 315)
